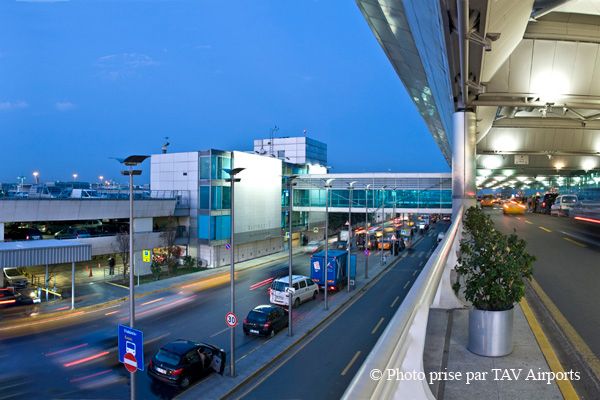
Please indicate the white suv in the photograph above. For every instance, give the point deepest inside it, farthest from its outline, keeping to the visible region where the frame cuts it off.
(303, 289)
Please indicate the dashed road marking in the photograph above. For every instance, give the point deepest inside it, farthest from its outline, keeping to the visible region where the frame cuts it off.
(575, 242)
(377, 326)
(352, 361)
(545, 229)
(528, 222)
(406, 284)
(395, 301)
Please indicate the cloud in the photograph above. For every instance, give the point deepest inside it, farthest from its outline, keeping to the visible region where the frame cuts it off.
(116, 66)
(64, 105)
(13, 105)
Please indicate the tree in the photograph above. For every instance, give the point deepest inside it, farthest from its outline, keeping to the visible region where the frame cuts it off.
(168, 236)
(122, 249)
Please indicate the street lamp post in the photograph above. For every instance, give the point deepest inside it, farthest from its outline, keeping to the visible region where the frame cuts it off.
(131, 162)
(232, 173)
(367, 252)
(290, 182)
(350, 189)
(325, 274)
(382, 222)
(36, 176)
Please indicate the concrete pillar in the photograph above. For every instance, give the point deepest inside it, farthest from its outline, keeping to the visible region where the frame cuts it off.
(463, 160)
(1, 231)
(72, 285)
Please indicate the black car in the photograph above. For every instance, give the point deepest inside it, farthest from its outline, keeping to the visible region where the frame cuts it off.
(72, 233)
(24, 234)
(180, 362)
(546, 203)
(265, 320)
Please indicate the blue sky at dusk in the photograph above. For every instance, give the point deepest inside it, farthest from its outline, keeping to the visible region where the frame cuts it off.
(86, 80)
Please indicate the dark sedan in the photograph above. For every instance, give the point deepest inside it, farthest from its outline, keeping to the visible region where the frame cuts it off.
(72, 233)
(265, 320)
(23, 234)
(180, 362)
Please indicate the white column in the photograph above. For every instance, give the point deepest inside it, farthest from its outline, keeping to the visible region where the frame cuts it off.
(1, 231)
(463, 160)
(72, 285)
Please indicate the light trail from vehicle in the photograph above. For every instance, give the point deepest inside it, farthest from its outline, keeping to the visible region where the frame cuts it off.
(54, 353)
(86, 359)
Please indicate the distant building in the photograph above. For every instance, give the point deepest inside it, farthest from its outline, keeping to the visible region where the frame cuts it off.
(257, 205)
(294, 150)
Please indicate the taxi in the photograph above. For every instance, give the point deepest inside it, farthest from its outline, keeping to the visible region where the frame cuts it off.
(513, 208)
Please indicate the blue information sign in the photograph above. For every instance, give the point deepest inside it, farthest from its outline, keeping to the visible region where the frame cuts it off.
(131, 341)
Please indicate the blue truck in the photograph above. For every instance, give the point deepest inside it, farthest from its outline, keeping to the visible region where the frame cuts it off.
(337, 269)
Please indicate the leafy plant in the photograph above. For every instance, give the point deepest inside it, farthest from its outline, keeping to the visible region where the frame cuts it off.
(156, 269)
(492, 267)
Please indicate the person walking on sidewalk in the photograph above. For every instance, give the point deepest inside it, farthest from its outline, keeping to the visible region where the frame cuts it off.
(111, 265)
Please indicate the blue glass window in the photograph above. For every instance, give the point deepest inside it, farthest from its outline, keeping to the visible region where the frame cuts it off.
(204, 197)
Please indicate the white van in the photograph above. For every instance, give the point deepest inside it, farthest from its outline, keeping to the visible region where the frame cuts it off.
(303, 289)
(563, 204)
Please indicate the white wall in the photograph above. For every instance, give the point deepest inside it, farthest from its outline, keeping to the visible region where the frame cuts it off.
(258, 194)
(142, 225)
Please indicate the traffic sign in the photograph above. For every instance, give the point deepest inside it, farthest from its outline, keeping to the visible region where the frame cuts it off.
(367, 252)
(146, 255)
(131, 348)
(227, 246)
(316, 230)
(130, 362)
(394, 237)
(231, 320)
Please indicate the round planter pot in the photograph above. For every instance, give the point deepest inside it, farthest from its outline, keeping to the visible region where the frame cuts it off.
(490, 332)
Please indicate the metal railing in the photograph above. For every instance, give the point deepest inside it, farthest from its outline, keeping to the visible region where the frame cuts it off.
(400, 347)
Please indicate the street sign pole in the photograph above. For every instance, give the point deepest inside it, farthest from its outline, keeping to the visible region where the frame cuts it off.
(131, 276)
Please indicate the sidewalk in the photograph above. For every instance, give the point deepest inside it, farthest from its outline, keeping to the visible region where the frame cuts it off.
(446, 350)
(87, 294)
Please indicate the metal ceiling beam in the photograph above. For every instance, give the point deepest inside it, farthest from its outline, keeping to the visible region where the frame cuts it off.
(540, 152)
(565, 28)
(551, 123)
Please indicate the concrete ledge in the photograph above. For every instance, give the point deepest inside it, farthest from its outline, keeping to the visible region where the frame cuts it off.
(496, 377)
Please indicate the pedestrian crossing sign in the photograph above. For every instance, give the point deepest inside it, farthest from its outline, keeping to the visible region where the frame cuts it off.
(146, 255)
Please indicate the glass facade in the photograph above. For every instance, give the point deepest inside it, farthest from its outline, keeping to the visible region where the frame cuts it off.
(214, 195)
(426, 198)
(214, 227)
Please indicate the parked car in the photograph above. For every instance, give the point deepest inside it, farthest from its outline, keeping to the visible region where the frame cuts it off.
(546, 204)
(340, 245)
(265, 320)
(563, 204)
(313, 246)
(23, 234)
(72, 233)
(303, 289)
(181, 362)
(13, 277)
(487, 201)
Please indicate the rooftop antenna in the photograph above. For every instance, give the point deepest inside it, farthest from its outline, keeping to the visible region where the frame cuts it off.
(166, 145)
(271, 149)
(304, 133)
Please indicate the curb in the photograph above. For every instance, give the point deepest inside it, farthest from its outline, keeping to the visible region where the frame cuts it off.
(48, 317)
(343, 305)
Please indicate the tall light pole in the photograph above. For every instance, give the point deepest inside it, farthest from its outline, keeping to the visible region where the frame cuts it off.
(350, 189)
(232, 173)
(75, 177)
(367, 250)
(36, 176)
(325, 275)
(101, 179)
(131, 162)
(382, 221)
(290, 182)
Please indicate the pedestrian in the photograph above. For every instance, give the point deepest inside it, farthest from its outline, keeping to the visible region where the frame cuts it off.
(111, 266)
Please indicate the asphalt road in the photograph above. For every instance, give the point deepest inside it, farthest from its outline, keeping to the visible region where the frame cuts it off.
(566, 268)
(322, 367)
(79, 361)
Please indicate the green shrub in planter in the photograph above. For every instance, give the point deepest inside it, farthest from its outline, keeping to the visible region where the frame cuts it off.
(492, 269)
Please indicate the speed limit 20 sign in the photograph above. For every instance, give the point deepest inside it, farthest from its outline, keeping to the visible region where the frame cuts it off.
(231, 319)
